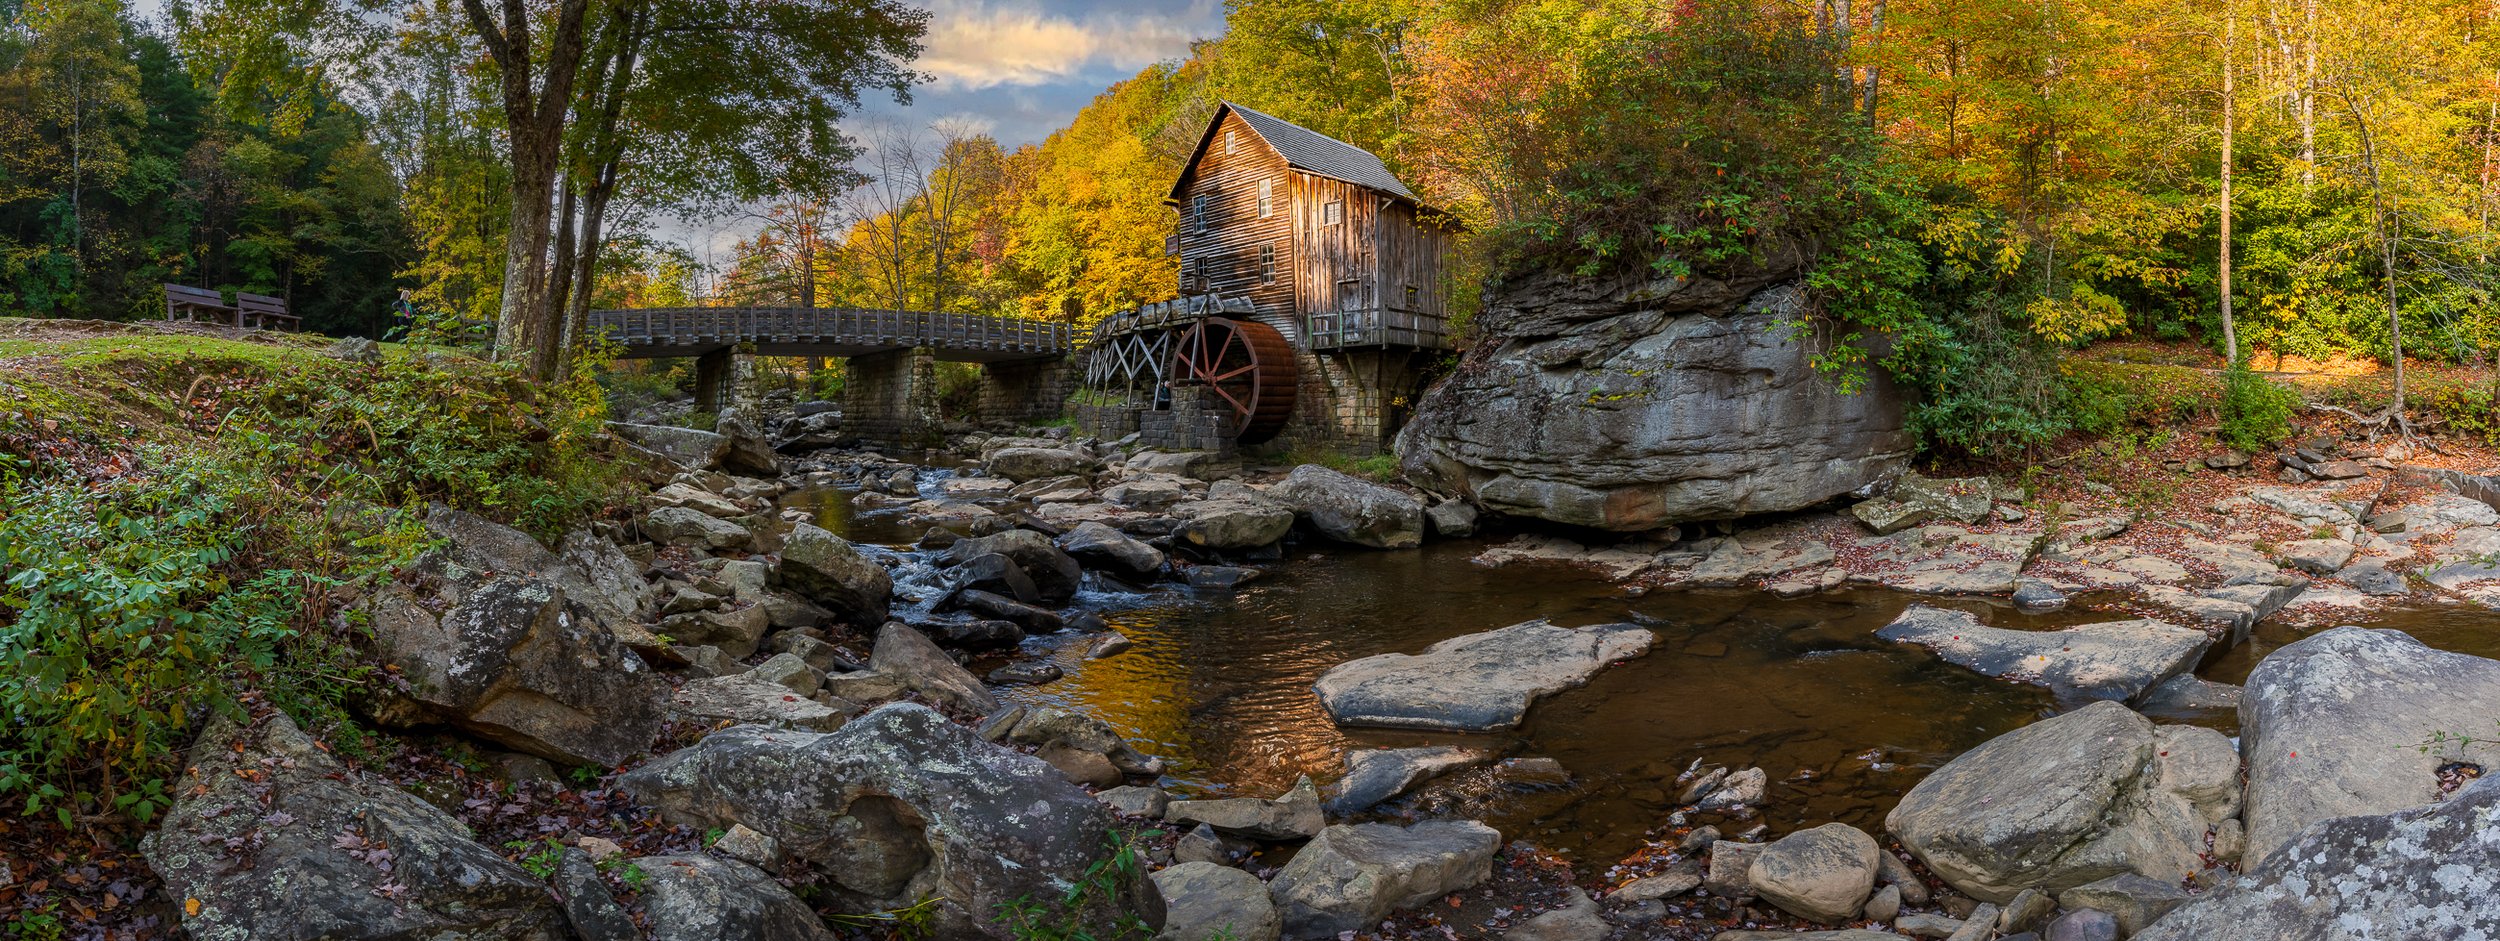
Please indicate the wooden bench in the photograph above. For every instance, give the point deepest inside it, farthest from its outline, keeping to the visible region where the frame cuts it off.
(249, 311)
(264, 312)
(188, 303)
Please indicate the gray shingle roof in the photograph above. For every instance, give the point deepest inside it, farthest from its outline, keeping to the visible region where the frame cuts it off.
(1313, 152)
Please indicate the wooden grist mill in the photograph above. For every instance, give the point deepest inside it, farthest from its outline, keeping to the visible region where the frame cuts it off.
(1311, 301)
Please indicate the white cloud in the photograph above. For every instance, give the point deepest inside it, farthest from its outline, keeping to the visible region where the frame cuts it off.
(975, 44)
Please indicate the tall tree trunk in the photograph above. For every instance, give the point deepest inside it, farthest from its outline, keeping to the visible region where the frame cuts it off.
(2230, 39)
(526, 327)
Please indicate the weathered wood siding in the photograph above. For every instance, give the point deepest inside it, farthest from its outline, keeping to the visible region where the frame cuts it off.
(1228, 249)
(1338, 267)
(1412, 253)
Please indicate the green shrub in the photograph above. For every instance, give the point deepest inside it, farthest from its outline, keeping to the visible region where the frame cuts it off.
(2255, 412)
(144, 589)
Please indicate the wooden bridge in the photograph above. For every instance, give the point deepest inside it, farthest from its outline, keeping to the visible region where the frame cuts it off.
(832, 331)
(890, 379)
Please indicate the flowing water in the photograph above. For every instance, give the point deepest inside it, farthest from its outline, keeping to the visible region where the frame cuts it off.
(1219, 684)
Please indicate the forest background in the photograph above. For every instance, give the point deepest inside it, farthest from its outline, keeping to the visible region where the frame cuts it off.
(1987, 184)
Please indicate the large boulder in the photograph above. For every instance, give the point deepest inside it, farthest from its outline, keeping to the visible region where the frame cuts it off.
(1294, 816)
(749, 451)
(1824, 874)
(696, 897)
(1232, 523)
(907, 654)
(831, 572)
(2430, 872)
(1477, 682)
(1055, 575)
(691, 448)
(1023, 464)
(898, 807)
(1917, 500)
(2352, 721)
(271, 839)
(1202, 900)
(1373, 775)
(681, 526)
(591, 569)
(2117, 660)
(1349, 510)
(2068, 800)
(1637, 401)
(1351, 876)
(514, 662)
(1096, 544)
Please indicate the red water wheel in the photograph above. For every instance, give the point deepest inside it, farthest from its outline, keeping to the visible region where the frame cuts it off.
(1247, 365)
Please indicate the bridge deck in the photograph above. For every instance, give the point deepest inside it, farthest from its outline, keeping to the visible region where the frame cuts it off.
(830, 331)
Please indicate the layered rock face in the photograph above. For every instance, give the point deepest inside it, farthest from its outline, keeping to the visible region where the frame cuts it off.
(1629, 404)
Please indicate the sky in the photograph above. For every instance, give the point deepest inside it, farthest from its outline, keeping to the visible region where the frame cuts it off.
(1019, 69)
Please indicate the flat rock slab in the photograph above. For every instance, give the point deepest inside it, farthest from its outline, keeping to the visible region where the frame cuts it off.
(1478, 682)
(2117, 660)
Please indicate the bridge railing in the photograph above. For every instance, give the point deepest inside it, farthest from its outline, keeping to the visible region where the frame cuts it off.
(701, 326)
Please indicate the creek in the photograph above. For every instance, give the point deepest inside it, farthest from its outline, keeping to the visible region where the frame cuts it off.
(1219, 682)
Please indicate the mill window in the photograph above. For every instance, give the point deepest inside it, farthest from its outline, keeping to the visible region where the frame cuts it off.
(1267, 264)
(1267, 198)
(1332, 213)
(1198, 213)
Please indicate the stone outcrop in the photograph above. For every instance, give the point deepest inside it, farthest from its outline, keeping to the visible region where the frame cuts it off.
(276, 841)
(1352, 511)
(2068, 800)
(2432, 872)
(514, 662)
(1350, 877)
(2348, 721)
(2117, 660)
(900, 806)
(1477, 682)
(1634, 402)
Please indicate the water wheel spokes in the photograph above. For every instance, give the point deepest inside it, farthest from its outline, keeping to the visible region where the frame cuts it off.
(1247, 365)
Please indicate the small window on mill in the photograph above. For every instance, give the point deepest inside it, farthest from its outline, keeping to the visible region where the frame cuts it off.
(1332, 213)
(1230, 144)
(1267, 264)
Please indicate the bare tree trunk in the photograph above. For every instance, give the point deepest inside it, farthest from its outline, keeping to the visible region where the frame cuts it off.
(2230, 39)
(1874, 74)
(2309, 96)
(2384, 219)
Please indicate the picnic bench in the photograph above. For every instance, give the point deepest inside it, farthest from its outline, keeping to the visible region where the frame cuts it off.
(249, 311)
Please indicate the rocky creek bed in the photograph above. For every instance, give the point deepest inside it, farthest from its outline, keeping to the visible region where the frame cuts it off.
(850, 693)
